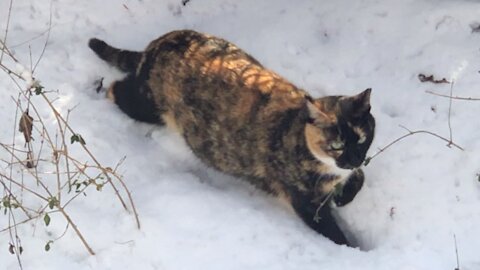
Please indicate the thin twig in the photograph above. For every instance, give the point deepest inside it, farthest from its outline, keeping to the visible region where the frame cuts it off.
(450, 113)
(77, 231)
(11, 73)
(46, 41)
(456, 252)
(39, 214)
(23, 164)
(11, 180)
(59, 182)
(31, 39)
(452, 97)
(65, 150)
(13, 139)
(317, 216)
(14, 238)
(410, 133)
(4, 42)
(10, 193)
(63, 233)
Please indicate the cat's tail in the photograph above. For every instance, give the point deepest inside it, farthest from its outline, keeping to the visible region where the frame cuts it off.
(126, 61)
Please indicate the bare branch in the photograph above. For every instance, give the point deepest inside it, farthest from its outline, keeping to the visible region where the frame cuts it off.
(4, 42)
(77, 231)
(452, 97)
(410, 133)
(46, 40)
(456, 252)
(450, 113)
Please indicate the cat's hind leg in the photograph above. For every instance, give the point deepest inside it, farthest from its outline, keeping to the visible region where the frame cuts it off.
(135, 99)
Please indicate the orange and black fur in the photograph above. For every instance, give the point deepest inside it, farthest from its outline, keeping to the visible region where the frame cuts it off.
(247, 121)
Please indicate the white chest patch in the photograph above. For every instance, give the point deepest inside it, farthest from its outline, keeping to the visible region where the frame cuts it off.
(334, 169)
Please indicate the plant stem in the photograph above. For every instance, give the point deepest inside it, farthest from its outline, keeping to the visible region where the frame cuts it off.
(77, 231)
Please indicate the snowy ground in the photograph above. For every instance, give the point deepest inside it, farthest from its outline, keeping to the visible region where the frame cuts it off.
(418, 194)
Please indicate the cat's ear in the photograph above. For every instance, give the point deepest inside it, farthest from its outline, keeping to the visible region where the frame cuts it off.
(316, 115)
(357, 105)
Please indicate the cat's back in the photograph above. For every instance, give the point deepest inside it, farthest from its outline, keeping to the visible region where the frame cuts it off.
(190, 45)
(190, 65)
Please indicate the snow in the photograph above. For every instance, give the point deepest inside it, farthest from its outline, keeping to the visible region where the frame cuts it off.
(418, 194)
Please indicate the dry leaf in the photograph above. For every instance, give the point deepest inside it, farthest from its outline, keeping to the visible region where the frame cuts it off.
(99, 85)
(424, 78)
(25, 126)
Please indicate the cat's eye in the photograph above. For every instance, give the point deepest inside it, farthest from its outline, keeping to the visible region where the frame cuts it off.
(362, 139)
(337, 145)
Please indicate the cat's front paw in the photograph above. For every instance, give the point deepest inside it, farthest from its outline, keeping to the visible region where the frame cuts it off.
(350, 189)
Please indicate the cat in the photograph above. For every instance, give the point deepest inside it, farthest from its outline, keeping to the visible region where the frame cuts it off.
(245, 120)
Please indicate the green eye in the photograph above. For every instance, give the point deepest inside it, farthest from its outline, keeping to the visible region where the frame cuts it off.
(338, 145)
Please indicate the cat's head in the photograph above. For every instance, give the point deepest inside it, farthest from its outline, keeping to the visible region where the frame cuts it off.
(340, 129)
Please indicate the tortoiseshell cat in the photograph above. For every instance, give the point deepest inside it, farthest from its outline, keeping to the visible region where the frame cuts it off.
(247, 121)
